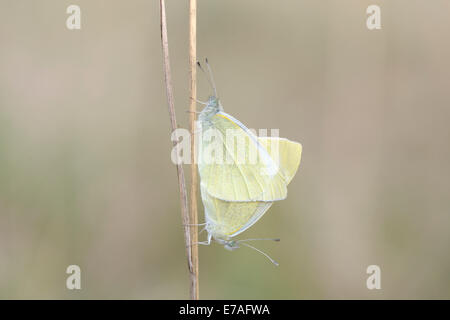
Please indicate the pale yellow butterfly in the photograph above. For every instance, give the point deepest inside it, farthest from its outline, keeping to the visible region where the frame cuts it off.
(238, 192)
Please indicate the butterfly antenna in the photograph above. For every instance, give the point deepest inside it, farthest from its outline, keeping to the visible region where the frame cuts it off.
(208, 77)
(270, 239)
(265, 254)
(211, 76)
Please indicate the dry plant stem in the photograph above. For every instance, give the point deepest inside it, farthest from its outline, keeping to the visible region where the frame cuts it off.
(173, 123)
(192, 109)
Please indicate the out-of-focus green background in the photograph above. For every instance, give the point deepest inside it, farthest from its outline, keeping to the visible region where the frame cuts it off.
(85, 170)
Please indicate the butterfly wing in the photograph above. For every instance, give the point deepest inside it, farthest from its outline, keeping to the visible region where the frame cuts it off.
(227, 219)
(241, 171)
(289, 152)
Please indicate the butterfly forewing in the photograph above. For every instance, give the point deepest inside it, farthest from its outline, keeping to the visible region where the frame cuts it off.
(234, 166)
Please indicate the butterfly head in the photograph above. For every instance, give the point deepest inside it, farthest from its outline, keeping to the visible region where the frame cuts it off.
(212, 107)
(230, 245)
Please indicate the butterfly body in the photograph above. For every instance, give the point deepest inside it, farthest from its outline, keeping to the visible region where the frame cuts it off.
(212, 107)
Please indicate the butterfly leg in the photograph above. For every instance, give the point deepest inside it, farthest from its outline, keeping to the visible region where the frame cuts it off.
(198, 224)
(201, 102)
(194, 224)
(207, 242)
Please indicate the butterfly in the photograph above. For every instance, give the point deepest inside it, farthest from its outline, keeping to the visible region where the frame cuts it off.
(239, 184)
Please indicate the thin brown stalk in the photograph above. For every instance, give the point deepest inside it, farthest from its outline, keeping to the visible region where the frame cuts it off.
(192, 109)
(173, 123)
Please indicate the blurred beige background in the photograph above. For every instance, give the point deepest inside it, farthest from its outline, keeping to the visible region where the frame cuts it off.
(85, 170)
